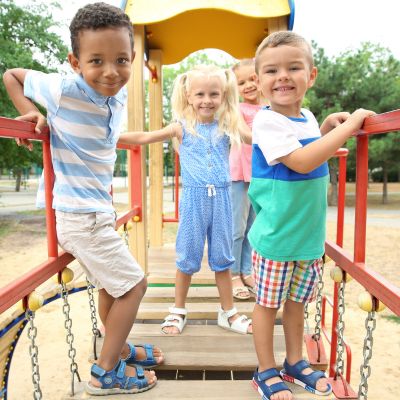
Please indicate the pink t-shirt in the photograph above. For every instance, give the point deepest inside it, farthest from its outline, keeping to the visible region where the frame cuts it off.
(240, 157)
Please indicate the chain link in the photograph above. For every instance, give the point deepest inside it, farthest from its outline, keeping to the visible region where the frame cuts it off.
(70, 337)
(340, 330)
(125, 235)
(365, 369)
(34, 352)
(318, 304)
(93, 316)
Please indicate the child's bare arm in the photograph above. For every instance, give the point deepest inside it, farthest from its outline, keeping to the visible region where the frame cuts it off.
(307, 158)
(14, 83)
(168, 132)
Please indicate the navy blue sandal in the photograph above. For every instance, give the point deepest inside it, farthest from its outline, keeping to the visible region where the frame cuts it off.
(294, 373)
(148, 362)
(266, 391)
(116, 382)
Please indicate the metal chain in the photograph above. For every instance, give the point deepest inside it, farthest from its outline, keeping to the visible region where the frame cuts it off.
(93, 316)
(33, 352)
(306, 316)
(365, 369)
(318, 304)
(125, 235)
(340, 330)
(70, 337)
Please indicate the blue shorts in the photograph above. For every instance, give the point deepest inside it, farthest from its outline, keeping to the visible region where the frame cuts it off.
(203, 216)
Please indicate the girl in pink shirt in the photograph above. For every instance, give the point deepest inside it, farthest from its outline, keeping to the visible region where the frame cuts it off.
(240, 168)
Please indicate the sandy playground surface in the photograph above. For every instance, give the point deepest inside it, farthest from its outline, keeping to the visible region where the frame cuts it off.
(25, 248)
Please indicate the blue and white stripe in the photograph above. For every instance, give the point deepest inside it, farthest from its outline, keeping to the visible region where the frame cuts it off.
(84, 130)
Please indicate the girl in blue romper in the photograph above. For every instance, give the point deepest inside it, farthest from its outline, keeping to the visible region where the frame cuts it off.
(205, 101)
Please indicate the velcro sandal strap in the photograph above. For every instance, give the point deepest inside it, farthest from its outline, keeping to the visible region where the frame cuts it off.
(139, 372)
(278, 387)
(296, 371)
(132, 352)
(97, 371)
(267, 374)
(173, 317)
(121, 369)
(229, 313)
(299, 366)
(177, 310)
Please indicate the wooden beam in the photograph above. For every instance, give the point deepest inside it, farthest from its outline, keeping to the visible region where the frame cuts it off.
(138, 236)
(156, 150)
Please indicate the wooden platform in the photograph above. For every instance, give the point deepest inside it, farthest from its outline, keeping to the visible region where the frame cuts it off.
(205, 362)
(198, 390)
(202, 347)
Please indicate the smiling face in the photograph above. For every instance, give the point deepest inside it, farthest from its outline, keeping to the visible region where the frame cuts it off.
(205, 96)
(105, 59)
(284, 75)
(247, 84)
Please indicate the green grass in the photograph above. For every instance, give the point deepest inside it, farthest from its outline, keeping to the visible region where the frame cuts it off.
(5, 228)
(393, 318)
(32, 212)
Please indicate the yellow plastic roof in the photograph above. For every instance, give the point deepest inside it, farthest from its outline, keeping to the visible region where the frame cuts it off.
(180, 27)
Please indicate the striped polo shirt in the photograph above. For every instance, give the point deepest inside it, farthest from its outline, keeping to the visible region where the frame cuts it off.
(290, 207)
(84, 130)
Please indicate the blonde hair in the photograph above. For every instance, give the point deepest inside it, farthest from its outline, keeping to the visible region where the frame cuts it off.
(285, 38)
(227, 114)
(245, 62)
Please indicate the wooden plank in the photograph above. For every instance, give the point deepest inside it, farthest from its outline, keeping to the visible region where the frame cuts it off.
(162, 277)
(196, 295)
(195, 310)
(137, 195)
(198, 390)
(202, 347)
(156, 152)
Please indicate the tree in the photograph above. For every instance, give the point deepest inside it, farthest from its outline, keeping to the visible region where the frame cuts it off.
(27, 40)
(367, 78)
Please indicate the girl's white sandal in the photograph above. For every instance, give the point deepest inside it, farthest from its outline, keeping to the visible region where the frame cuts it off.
(239, 325)
(174, 319)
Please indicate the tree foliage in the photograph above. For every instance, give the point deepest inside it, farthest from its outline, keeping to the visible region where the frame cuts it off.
(368, 77)
(27, 40)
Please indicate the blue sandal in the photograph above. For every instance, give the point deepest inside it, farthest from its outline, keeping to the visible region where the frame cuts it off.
(266, 391)
(294, 374)
(116, 382)
(148, 362)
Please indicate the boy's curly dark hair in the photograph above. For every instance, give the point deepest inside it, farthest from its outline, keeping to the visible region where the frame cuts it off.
(97, 16)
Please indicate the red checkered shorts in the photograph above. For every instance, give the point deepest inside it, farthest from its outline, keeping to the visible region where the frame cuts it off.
(277, 281)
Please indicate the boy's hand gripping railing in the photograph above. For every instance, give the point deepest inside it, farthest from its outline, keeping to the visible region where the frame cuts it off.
(380, 288)
(23, 288)
(24, 285)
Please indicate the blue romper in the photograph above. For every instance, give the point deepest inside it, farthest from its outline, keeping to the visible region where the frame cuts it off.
(205, 209)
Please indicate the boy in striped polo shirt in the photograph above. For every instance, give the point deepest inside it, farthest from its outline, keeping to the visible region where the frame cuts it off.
(288, 191)
(84, 114)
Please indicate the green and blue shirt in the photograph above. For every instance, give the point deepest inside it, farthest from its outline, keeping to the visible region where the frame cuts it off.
(291, 207)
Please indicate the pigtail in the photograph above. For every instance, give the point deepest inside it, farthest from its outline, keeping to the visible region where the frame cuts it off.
(181, 109)
(229, 113)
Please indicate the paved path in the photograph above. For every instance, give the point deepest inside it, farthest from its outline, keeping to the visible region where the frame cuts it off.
(12, 202)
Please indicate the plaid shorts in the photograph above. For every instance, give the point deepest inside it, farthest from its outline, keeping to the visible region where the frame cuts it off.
(277, 281)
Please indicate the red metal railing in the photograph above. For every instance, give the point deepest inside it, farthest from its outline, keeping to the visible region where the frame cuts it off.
(378, 286)
(24, 285)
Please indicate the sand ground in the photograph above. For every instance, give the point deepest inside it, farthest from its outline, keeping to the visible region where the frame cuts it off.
(25, 247)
